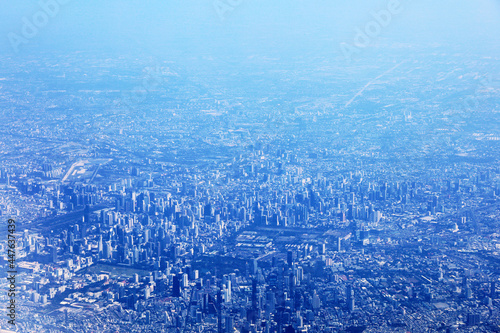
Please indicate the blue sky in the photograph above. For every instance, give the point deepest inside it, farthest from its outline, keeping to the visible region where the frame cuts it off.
(249, 26)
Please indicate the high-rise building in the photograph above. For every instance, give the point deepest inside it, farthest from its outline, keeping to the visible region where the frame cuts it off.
(289, 258)
(229, 324)
(270, 301)
(350, 298)
(473, 319)
(176, 286)
(219, 310)
(316, 302)
(228, 291)
(53, 251)
(86, 214)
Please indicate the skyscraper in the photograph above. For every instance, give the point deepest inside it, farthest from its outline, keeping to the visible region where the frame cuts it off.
(176, 286)
(350, 298)
(289, 258)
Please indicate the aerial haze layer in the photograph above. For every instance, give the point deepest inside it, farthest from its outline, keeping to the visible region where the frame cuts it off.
(250, 166)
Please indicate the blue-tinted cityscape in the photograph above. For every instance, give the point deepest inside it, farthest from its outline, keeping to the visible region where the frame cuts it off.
(250, 166)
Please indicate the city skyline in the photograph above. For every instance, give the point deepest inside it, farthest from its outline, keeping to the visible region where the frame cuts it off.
(250, 166)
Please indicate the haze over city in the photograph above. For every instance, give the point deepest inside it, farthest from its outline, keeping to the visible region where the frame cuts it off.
(250, 166)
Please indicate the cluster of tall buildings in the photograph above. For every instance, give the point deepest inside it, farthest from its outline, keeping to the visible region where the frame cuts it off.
(260, 245)
(234, 213)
